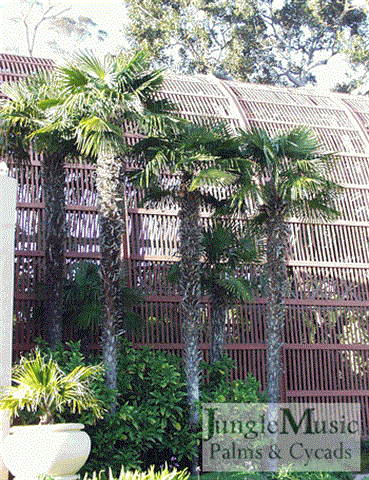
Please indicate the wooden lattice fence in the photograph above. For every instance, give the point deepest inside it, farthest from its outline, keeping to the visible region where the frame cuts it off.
(326, 350)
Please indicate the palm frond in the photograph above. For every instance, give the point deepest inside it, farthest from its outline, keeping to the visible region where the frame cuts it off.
(174, 274)
(236, 288)
(87, 61)
(72, 79)
(212, 177)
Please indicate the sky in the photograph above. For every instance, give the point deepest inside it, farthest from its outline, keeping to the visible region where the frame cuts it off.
(110, 16)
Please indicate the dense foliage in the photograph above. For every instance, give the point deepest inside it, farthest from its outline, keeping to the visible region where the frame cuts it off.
(150, 425)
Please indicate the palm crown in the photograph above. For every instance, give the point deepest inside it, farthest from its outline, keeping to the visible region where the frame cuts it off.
(107, 93)
(287, 175)
(193, 151)
(28, 117)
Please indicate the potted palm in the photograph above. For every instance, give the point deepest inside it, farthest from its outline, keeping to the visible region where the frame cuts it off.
(49, 448)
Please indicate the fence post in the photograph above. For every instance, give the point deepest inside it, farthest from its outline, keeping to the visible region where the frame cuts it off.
(8, 193)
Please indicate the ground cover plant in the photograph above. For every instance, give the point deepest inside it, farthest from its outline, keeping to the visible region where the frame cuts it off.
(165, 474)
(276, 476)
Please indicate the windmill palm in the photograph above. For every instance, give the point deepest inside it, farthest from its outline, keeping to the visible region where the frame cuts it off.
(26, 124)
(226, 251)
(106, 94)
(189, 154)
(288, 177)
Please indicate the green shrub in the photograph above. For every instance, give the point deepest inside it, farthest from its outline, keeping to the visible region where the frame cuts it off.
(150, 425)
(221, 390)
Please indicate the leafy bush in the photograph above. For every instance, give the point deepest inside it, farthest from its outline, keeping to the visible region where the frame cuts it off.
(150, 424)
(221, 390)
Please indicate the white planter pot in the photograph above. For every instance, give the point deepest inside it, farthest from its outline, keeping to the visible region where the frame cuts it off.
(58, 450)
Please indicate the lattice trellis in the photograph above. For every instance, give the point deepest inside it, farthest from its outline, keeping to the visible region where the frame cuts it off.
(326, 351)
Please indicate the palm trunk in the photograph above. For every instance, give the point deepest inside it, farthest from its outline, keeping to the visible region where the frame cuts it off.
(190, 250)
(276, 270)
(54, 185)
(109, 183)
(218, 317)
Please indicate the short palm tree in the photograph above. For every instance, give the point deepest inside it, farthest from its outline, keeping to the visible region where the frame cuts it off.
(227, 250)
(191, 155)
(41, 387)
(107, 94)
(287, 177)
(25, 124)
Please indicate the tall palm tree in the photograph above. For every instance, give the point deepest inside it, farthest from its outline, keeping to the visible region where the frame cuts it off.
(107, 94)
(288, 177)
(25, 124)
(189, 154)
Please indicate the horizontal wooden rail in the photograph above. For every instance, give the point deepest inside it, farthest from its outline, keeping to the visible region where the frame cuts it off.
(332, 393)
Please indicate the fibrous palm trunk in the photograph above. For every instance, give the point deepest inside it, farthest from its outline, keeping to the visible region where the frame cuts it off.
(190, 250)
(218, 317)
(54, 199)
(276, 270)
(109, 183)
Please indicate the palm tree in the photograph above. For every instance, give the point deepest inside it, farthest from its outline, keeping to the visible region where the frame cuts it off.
(189, 154)
(107, 94)
(227, 249)
(287, 177)
(26, 124)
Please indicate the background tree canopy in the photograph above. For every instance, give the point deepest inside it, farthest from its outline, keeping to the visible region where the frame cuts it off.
(255, 40)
